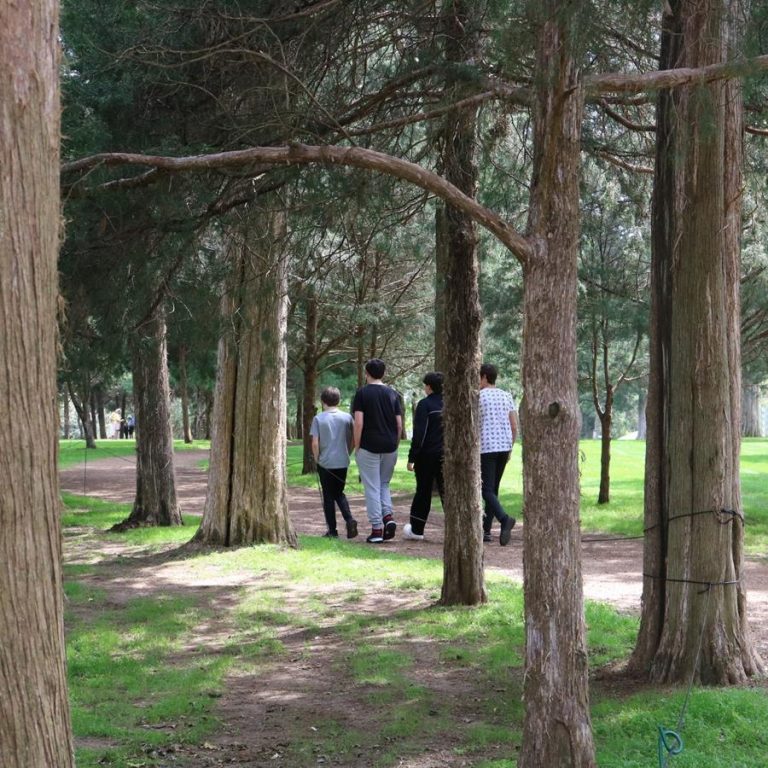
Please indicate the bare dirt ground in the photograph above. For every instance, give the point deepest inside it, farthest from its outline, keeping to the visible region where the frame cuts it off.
(259, 717)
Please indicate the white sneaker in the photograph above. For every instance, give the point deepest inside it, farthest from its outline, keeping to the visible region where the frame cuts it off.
(409, 534)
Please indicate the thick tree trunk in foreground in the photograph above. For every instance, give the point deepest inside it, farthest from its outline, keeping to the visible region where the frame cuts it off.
(34, 709)
(694, 596)
(751, 419)
(247, 501)
(463, 578)
(155, 502)
(557, 729)
(184, 387)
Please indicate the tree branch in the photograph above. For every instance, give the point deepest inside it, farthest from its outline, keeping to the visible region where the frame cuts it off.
(672, 78)
(302, 154)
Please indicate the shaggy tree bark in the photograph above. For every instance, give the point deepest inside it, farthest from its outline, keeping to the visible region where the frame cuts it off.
(247, 500)
(557, 728)
(155, 502)
(34, 709)
(694, 596)
(463, 578)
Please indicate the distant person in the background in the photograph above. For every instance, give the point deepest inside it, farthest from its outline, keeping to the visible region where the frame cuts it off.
(498, 432)
(377, 428)
(131, 423)
(425, 456)
(123, 428)
(331, 433)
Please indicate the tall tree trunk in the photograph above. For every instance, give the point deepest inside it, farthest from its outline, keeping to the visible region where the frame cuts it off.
(66, 419)
(441, 269)
(35, 729)
(557, 726)
(99, 396)
(184, 387)
(687, 631)
(751, 418)
(606, 423)
(247, 500)
(155, 502)
(94, 415)
(310, 380)
(463, 578)
(83, 411)
(642, 404)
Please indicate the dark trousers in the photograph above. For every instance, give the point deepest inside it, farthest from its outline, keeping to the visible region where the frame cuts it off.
(332, 482)
(429, 471)
(492, 467)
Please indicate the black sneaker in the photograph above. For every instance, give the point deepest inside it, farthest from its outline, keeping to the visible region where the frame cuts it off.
(487, 538)
(390, 526)
(376, 536)
(351, 529)
(331, 535)
(506, 530)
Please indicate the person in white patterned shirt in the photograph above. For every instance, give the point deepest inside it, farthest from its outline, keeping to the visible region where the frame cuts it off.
(498, 432)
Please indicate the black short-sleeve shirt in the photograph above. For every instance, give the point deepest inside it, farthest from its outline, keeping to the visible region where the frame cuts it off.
(380, 406)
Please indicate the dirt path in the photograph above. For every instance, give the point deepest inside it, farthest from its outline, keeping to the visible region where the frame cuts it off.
(612, 569)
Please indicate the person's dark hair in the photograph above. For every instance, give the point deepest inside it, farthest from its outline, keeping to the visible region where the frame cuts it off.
(490, 372)
(330, 396)
(434, 379)
(375, 368)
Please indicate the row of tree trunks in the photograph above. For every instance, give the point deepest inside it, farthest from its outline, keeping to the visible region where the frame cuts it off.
(694, 413)
(247, 498)
(463, 577)
(35, 727)
(557, 727)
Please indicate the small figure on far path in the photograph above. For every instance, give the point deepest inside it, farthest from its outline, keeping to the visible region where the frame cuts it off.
(425, 456)
(131, 423)
(377, 429)
(498, 432)
(331, 433)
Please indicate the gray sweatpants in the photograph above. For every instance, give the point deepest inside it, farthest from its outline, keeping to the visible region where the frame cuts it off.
(376, 471)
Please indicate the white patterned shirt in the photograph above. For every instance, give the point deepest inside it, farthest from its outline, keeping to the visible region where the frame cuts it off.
(495, 429)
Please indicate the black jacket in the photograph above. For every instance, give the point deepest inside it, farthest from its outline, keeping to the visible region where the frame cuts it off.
(427, 439)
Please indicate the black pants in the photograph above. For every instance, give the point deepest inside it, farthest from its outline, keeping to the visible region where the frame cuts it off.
(492, 467)
(428, 470)
(332, 482)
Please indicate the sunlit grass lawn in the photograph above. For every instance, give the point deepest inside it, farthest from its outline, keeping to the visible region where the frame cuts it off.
(142, 677)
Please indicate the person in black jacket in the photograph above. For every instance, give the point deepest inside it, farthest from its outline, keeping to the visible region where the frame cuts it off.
(425, 457)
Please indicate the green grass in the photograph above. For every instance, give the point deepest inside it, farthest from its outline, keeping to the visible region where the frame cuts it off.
(141, 679)
(73, 452)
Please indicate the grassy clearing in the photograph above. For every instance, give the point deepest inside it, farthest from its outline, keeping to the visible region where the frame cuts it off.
(624, 515)
(73, 452)
(143, 678)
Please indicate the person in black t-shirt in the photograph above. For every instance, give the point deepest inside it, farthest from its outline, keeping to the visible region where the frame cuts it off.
(378, 422)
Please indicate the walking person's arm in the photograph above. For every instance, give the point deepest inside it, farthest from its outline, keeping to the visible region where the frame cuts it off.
(357, 430)
(513, 425)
